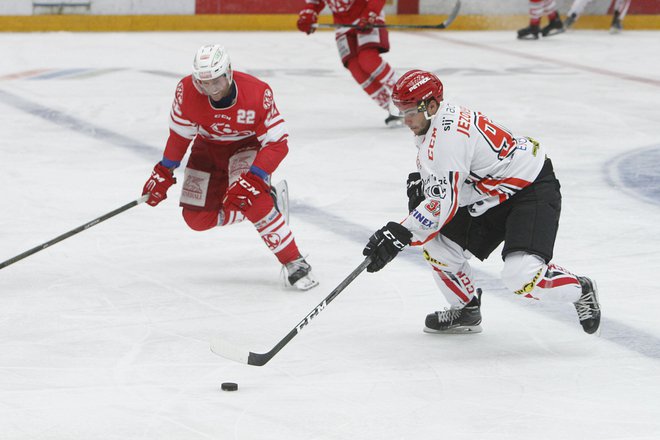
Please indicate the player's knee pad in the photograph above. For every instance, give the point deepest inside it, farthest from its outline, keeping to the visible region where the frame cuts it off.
(522, 272)
(200, 220)
(369, 60)
(353, 66)
(443, 254)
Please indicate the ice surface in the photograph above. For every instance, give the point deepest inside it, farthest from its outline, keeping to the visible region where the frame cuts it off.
(106, 335)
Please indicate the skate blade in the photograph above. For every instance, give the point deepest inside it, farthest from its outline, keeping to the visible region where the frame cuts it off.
(305, 283)
(455, 330)
(282, 195)
(554, 32)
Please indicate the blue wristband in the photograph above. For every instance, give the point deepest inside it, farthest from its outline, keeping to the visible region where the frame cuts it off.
(170, 163)
(259, 172)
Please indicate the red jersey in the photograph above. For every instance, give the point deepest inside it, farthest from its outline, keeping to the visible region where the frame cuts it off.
(346, 11)
(252, 115)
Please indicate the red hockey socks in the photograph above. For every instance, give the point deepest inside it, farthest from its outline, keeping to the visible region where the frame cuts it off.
(375, 75)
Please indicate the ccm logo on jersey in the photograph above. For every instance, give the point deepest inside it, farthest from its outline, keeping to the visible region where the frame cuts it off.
(432, 143)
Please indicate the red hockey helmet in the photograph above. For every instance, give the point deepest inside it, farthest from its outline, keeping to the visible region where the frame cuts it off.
(414, 89)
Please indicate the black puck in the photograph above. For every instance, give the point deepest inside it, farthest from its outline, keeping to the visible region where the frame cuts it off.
(229, 386)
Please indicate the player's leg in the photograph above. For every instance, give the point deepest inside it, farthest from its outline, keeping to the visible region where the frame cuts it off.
(208, 174)
(360, 54)
(452, 274)
(532, 31)
(620, 11)
(574, 12)
(531, 229)
(381, 80)
(204, 184)
(555, 26)
(621, 6)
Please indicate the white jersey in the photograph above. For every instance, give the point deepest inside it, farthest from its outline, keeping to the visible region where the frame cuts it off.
(465, 159)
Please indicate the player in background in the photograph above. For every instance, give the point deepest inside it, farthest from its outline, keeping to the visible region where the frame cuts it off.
(620, 9)
(478, 185)
(537, 9)
(359, 49)
(238, 140)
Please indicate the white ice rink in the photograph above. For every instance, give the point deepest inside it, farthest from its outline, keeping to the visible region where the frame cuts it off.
(105, 335)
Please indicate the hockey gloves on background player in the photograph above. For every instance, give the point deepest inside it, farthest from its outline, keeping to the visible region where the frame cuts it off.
(367, 22)
(415, 191)
(385, 244)
(307, 18)
(243, 193)
(160, 181)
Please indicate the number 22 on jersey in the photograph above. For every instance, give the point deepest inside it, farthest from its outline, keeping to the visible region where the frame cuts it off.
(245, 116)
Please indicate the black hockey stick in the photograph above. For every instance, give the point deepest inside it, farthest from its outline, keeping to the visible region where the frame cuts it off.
(229, 351)
(66, 235)
(444, 25)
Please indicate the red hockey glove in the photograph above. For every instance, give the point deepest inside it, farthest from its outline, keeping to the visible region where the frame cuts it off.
(306, 18)
(367, 21)
(158, 184)
(243, 193)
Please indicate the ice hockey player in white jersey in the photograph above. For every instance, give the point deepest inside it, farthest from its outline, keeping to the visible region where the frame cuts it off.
(619, 13)
(478, 185)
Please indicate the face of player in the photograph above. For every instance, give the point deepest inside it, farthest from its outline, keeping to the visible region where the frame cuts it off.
(216, 88)
(417, 119)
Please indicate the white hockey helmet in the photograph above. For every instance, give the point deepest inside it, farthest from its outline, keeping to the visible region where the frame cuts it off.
(212, 61)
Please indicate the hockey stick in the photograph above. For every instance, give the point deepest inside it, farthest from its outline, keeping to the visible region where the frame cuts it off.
(444, 25)
(66, 235)
(229, 351)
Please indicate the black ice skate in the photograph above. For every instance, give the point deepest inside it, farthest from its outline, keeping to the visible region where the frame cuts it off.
(456, 321)
(299, 274)
(531, 32)
(616, 25)
(280, 195)
(570, 20)
(394, 121)
(588, 308)
(553, 28)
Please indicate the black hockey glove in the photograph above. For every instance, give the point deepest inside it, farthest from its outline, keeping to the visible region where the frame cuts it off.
(385, 244)
(415, 191)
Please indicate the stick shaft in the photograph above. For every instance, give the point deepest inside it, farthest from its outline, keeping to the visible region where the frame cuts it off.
(224, 349)
(72, 232)
(445, 24)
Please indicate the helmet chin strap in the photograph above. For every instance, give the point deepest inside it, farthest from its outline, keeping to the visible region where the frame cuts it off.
(426, 111)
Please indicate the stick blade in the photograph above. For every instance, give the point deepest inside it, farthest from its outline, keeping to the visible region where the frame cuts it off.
(229, 351)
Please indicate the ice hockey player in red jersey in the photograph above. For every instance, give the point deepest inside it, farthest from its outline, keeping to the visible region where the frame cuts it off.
(238, 140)
(619, 10)
(537, 9)
(359, 48)
(478, 185)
